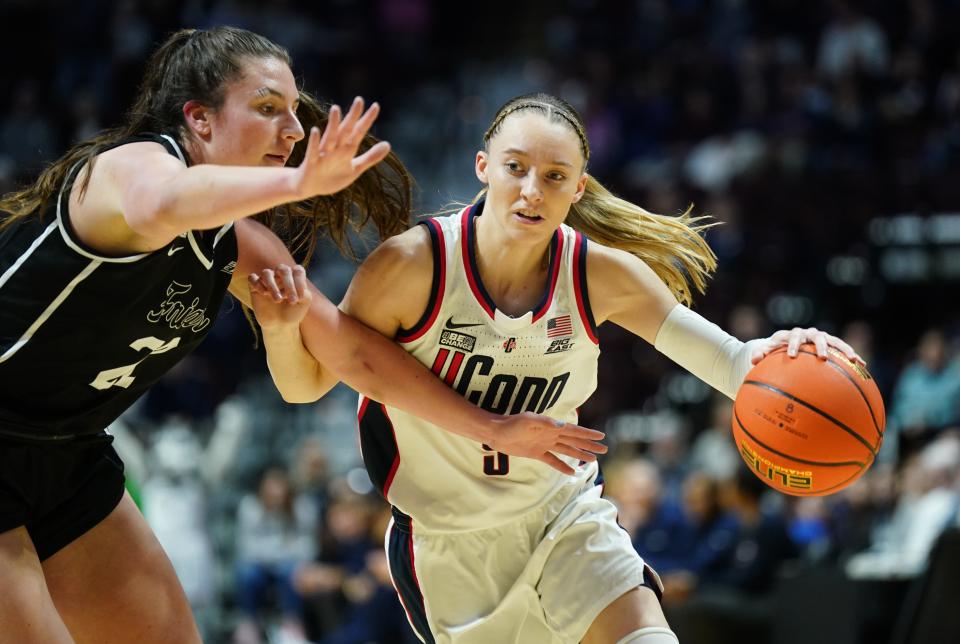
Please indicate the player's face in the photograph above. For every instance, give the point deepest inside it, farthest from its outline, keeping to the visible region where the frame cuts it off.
(534, 173)
(257, 123)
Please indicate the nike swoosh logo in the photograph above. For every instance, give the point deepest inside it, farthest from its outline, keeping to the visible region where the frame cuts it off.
(173, 250)
(453, 325)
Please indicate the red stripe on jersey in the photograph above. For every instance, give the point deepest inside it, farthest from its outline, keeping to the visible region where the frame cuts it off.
(454, 368)
(556, 260)
(441, 257)
(580, 275)
(465, 250)
(439, 361)
(388, 481)
(363, 408)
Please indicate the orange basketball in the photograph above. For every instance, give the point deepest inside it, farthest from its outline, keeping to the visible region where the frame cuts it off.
(806, 426)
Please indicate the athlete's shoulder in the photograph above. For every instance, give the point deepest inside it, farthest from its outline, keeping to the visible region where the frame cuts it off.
(620, 281)
(138, 152)
(397, 269)
(602, 259)
(410, 250)
(392, 287)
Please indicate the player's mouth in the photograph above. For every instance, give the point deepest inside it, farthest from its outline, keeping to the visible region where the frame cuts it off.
(275, 159)
(527, 217)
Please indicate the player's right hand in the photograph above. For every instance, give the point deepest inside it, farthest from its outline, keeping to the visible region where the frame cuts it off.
(280, 296)
(795, 337)
(543, 438)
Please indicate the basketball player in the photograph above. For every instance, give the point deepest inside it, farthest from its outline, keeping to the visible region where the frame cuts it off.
(113, 265)
(503, 301)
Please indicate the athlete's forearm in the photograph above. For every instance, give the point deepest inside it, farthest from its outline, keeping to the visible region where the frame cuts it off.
(705, 350)
(296, 373)
(206, 196)
(379, 369)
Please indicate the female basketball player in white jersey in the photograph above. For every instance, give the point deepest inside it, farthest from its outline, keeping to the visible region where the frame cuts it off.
(502, 301)
(113, 265)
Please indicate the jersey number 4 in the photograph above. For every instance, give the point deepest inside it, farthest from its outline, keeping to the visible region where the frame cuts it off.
(123, 376)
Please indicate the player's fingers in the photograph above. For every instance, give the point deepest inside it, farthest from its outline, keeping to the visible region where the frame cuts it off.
(572, 452)
(289, 288)
(301, 284)
(845, 348)
(569, 430)
(269, 280)
(313, 146)
(371, 157)
(793, 344)
(256, 288)
(363, 124)
(556, 464)
(576, 443)
(328, 140)
(350, 120)
(780, 337)
(820, 342)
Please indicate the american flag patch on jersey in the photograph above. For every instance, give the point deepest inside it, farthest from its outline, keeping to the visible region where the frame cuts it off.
(559, 326)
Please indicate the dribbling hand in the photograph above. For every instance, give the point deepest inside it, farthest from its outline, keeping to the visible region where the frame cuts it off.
(281, 296)
(797, 336)
(330, 162)
(543, 438)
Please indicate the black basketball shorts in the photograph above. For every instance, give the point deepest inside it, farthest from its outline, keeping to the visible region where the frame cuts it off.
(58, 489)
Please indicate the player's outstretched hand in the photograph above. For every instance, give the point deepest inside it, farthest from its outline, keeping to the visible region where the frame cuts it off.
(797, 336)
(330, 163)
(281, 296)
(543, 438)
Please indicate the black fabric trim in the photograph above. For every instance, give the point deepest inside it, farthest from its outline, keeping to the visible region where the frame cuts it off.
(377, 443)
(584, 292)
(401, 567)
(147, 137)
(472, 214)
(434, 286)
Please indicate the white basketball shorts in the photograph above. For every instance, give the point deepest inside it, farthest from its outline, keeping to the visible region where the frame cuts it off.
(542, 579)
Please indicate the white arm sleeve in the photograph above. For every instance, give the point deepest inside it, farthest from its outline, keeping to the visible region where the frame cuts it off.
(705, 350)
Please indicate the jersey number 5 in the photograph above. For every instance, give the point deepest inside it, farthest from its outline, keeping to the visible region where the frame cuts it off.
(122, 376)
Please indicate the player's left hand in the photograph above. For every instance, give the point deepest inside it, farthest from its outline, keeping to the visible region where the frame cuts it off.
(281, 296)
(331, 161)
(542, 438)
(797, 336)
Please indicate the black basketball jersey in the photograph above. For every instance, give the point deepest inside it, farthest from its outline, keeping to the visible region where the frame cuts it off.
(82, 335)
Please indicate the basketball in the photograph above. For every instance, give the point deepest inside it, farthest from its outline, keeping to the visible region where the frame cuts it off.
(806, 426)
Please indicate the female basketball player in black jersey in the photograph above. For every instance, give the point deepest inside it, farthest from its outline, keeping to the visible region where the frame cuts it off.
(524, 291)
(113, 265)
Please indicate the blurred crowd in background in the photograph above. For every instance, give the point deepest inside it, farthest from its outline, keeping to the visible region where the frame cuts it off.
(825, 136)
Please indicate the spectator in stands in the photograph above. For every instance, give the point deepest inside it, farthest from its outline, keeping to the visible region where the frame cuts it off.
(926, 398)
(733, 601)
(275, 536)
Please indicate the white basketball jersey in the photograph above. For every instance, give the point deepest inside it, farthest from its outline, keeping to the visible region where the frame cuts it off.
(543, 361)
